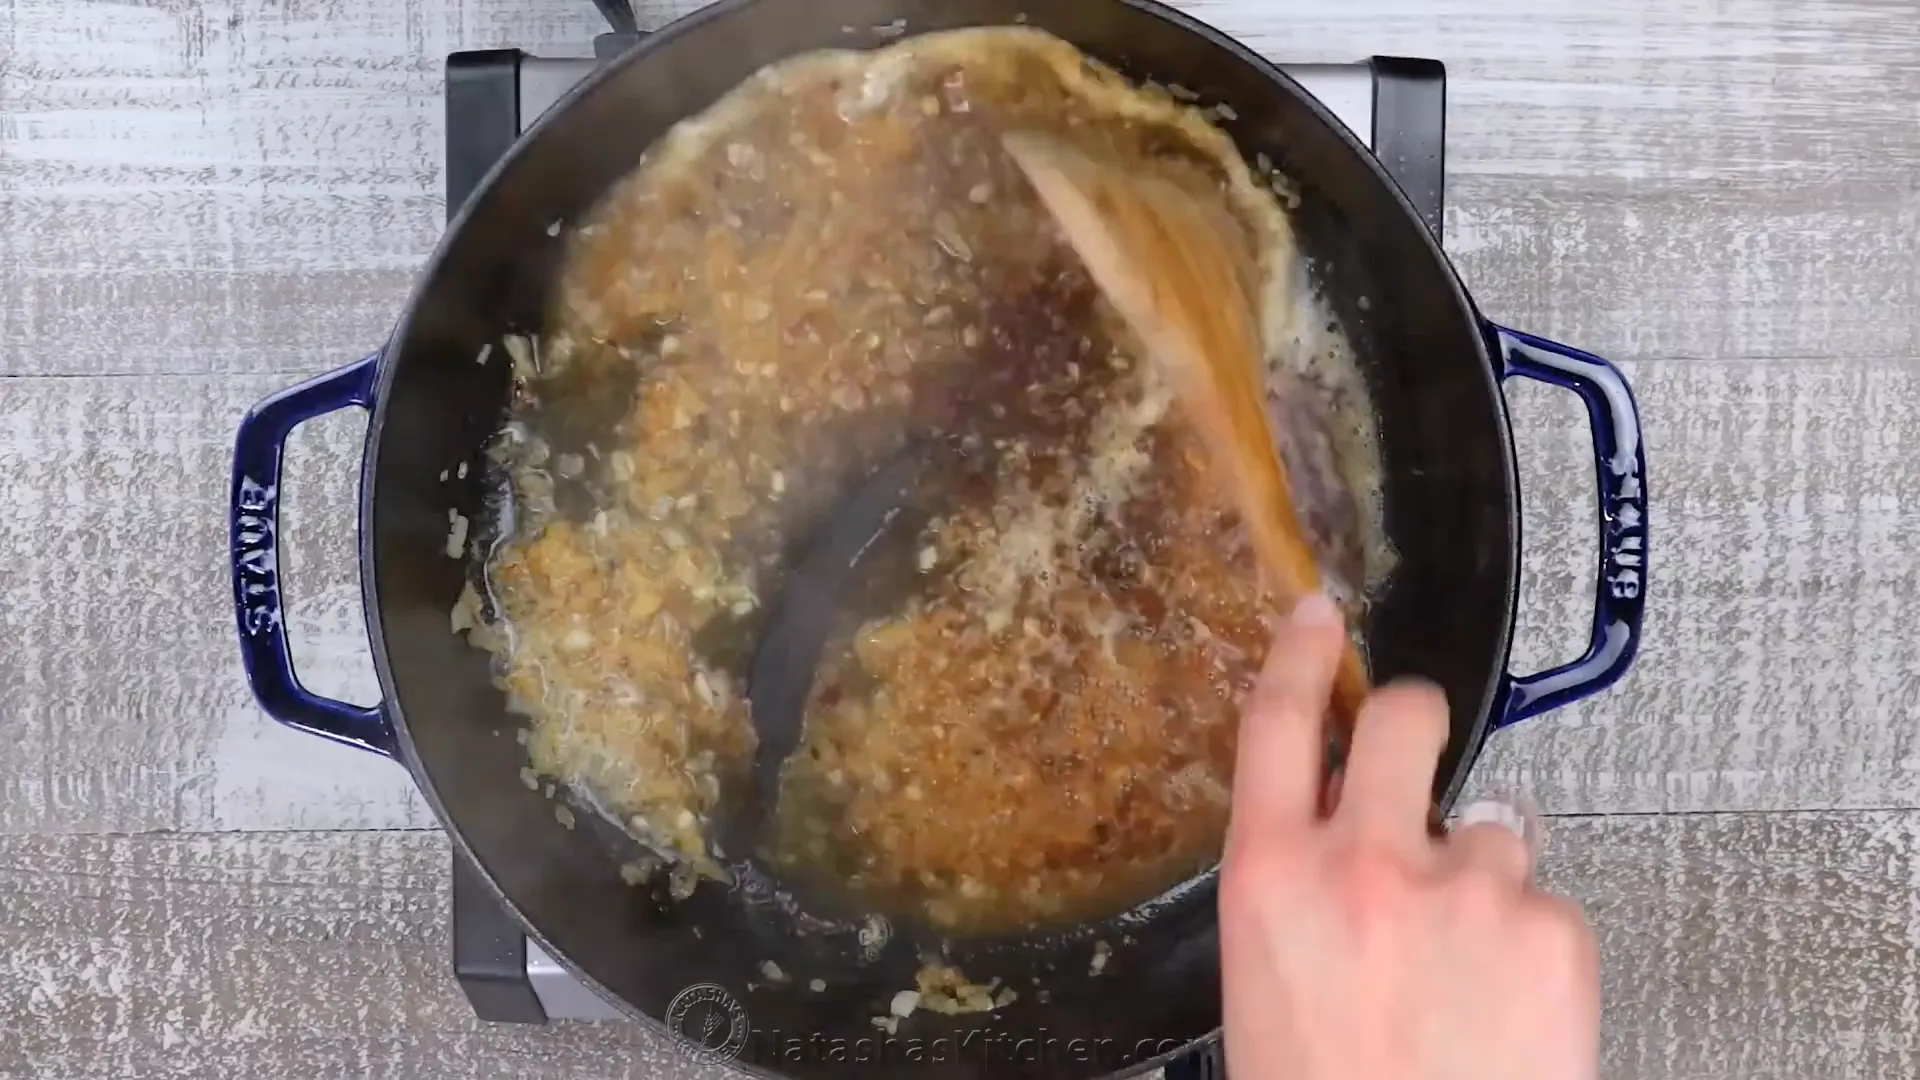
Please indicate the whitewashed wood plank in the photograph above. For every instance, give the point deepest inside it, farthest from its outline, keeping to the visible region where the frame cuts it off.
(1779, 669)
(1771, 93)
(1750, 946)
(1735, 947)
(321, 955)
(121, 698)
(255, 184)
(227, 185)
(1682, 270)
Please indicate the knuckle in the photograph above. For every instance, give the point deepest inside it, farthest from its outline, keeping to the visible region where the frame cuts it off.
(1374, 887)
(1252, 875)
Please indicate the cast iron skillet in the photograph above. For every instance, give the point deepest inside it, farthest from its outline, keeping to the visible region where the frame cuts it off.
(1434, 367)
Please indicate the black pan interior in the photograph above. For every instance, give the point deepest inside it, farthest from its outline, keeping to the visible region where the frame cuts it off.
(1446, 614)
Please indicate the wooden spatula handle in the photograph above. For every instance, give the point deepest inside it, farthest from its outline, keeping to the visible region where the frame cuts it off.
(1176, 270)
(1228, 418)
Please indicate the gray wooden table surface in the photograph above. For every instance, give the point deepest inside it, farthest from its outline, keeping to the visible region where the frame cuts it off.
(204, 200)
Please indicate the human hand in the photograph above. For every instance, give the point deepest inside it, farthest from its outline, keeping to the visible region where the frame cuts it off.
(1355, 945)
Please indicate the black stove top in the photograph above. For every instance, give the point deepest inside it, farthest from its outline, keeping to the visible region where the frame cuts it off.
(1397, 105)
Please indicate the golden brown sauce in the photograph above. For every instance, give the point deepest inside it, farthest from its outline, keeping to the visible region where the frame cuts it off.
(1035, 724)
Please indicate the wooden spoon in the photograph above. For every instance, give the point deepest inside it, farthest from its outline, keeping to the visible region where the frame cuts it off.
(1182, 276)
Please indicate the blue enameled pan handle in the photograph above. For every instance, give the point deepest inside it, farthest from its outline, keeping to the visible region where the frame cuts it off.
(255, 522)
(1620, 463)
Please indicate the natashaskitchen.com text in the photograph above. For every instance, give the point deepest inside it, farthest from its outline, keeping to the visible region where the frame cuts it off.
(774, 1047)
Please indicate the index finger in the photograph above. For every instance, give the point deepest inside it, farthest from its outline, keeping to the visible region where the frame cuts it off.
(1281, 761)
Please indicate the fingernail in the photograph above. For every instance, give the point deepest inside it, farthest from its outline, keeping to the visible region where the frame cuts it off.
(1499, 813)
(1316, 609)
(1517, 813)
